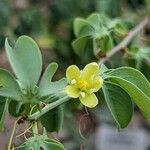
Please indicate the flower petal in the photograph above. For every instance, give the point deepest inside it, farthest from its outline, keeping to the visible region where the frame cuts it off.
(90, 100)
(72, 73)
(90, 70)
(72, 91)
(95, 84)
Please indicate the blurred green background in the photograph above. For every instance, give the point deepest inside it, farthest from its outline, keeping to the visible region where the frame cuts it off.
(50, 23)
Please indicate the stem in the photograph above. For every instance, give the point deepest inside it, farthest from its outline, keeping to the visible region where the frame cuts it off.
(12, 133)
(35, 128)
(126, 40)
(47, 108)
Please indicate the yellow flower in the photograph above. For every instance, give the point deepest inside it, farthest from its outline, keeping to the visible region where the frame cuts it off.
(84, 83)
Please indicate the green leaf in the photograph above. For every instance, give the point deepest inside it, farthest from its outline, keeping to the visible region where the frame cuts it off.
(103, 69)
(72, 105)
(79, 45)
(9, 86)
(102, 44)
(94, 21)
(98, 21)
(26, 61)
(119, 103)
(143, 53)
(53, 119)
(118, 27)
(82, 27)
(3, 110)
(135, 84)
(92, 29)
(40, 143)
(46, 87)
(145, 69)
(48, 74)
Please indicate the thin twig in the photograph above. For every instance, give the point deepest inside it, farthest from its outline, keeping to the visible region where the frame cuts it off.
(12, 133)
(126, 40)
(25, 131)
(80, 132)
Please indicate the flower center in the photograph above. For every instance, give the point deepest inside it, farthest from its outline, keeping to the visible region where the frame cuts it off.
(83, 85)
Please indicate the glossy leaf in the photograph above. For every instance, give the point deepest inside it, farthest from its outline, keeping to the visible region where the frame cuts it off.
(119, 103)
(53, 119)
(26, 61)
(9, 86)
(46, 86)
(135, 84)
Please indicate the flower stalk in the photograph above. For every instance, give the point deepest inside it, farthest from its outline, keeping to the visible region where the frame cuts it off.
(47, 108)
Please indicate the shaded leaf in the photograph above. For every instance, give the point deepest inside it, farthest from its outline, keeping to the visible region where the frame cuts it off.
(119, 103)
(79, 45)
